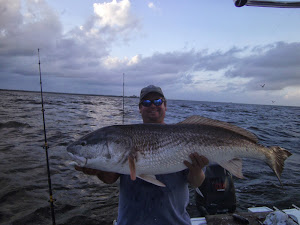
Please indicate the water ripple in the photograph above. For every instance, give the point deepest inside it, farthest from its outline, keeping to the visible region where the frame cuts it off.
(82, 199)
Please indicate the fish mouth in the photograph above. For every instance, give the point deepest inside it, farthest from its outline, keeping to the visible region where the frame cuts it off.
(80, 161)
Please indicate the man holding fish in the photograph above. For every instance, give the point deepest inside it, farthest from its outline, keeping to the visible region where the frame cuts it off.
(166, 158)
(141, 202)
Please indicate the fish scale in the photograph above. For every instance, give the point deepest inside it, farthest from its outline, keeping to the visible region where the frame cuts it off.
(151, 149)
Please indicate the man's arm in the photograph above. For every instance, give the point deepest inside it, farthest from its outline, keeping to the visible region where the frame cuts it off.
(196, 175)
(106, 177)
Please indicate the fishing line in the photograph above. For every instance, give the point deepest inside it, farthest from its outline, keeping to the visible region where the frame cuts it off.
(46, 147)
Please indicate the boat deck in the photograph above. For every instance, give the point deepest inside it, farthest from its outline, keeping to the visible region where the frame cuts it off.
(255, 216)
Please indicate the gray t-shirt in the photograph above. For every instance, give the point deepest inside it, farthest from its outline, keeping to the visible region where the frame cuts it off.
(143, 203)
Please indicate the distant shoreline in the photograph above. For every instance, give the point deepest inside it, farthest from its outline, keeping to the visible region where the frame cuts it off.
(49, 92)
(120, 96)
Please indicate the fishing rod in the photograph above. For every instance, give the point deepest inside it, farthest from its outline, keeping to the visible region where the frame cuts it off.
(46, 146)
(123, 100)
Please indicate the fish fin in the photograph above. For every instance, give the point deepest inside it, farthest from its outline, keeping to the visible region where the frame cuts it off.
(276, 159)
(138, 155)
(132, 167)
(216, 123)
(234, 166)
(151, 179)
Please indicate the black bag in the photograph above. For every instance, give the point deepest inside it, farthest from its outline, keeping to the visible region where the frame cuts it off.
(217, 192)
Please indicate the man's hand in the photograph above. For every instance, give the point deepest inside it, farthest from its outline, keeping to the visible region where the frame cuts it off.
(196, 175)
(106, 177)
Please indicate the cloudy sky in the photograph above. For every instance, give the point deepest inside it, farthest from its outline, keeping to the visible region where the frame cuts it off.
(197, 50)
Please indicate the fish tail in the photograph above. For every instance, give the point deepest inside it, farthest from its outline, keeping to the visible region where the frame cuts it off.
(276, 159)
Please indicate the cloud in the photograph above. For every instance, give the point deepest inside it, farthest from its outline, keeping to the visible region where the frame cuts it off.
(151, 5)
(235, 70)
(24, 26)
(277, 66)
(80, 60)
(114, 14)
(10, 15)
(154, 7)
(292, 95)
(33, 24)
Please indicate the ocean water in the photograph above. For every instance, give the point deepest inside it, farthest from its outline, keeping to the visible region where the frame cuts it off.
(82, 199)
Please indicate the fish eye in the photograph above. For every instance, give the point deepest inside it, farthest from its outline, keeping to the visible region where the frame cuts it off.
(83, 143)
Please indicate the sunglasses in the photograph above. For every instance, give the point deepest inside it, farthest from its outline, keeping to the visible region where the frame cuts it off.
(148, 103)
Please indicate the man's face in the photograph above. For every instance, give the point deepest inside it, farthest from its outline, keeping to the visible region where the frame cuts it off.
(153, 113)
